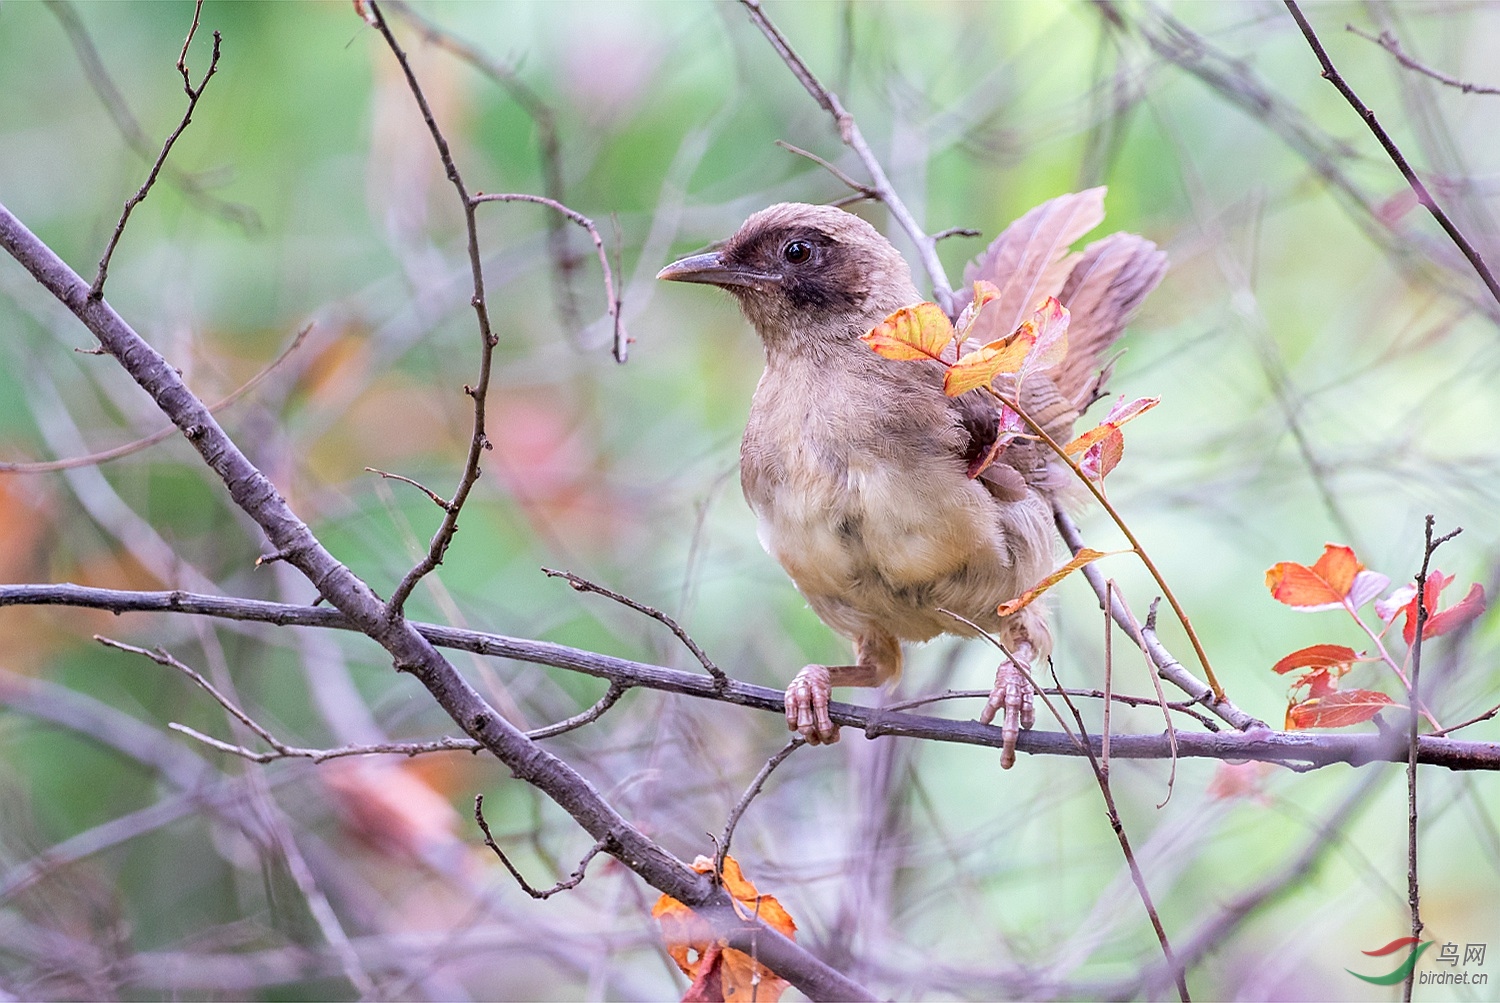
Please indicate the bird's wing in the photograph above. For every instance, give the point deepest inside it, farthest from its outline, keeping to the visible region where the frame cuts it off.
(1102, 293)
(1030, 260)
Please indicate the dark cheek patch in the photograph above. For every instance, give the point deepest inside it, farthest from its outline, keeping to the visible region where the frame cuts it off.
(820, 289)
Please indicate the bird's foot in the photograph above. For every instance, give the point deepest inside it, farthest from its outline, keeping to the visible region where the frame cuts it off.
(807, 705)
(1013, 695)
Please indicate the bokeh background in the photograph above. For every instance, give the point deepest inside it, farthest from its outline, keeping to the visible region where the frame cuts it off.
(1327, 364)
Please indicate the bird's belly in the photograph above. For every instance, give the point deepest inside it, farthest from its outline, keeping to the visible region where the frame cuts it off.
(883, 545)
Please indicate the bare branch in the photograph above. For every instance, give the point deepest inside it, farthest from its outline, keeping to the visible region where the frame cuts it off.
(1101, 776)
(1286, 748)
(1331, 74)
(1169, 667)
(565, 261)
(96, 291)
(479, 440)
(584, 585)
(1388, 42)
(114, 103)
(754, 789)
(603, 843)
(437, 499)
(849, 133)
(865, 191)
(611, 297)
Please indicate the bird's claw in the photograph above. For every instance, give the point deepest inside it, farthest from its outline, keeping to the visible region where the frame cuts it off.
(1013, 695)
(807, 706)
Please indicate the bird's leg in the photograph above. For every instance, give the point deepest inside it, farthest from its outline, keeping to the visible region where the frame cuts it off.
(877, 660)
(1026, 637)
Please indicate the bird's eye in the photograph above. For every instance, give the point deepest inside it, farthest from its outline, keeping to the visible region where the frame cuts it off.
(797, 251)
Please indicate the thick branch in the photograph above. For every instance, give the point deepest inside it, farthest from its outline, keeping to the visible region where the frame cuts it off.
(362, 610)
(1295, 748)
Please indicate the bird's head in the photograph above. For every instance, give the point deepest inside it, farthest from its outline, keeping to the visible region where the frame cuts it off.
(807, 276)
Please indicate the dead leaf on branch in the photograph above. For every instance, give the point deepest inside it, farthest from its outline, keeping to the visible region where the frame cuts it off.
(720, 973)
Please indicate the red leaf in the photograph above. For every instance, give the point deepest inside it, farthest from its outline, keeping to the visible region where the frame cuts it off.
(1316, 656)
(1337, 710)
(1440, 622)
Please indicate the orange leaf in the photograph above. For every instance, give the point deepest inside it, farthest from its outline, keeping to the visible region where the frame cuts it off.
(1323, 585)
(733, 974)
(1084, 556)
(1316, 656)
(979, 367)
(914, 332)
(1337, 710)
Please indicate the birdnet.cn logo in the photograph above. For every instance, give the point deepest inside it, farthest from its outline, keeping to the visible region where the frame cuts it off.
(1413, 948)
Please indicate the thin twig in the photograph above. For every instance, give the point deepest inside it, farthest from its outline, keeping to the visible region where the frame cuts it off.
(750, 794)
(612, 299)
(479, 393)
(1169, 667)
(1388, 42)
(1471, 721)
(957, 231)
(565, 260)
(609, 699)
(119, 112)
(1161, 698)
(104, 456)
(849, 133)
(96, 290)
(1331, 74)
(864, 190)
(584, 585)
(546, 893)
(437, 499)
(1101, 776)
(1413, 885)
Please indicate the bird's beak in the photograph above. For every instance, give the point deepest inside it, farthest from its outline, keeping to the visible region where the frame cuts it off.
(711, 269)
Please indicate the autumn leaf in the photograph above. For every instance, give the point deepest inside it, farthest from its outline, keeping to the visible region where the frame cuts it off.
(914, 332)
(980, 367)
(1039, 343)
(1439, 622)
(1011, 426)
(1337, 710)
(1317, 656)
(984, 292)
(1084, 556)
(1104, 444)
(1324, 584)
(719, 972)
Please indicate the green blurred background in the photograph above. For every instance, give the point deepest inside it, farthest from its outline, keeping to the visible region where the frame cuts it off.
(1327, 365)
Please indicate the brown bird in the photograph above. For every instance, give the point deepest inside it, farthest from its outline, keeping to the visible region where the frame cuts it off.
(858, 467)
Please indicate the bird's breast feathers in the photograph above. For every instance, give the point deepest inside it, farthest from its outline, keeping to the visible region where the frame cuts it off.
(879, 529)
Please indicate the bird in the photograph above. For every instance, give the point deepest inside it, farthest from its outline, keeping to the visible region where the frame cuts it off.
(860, 471)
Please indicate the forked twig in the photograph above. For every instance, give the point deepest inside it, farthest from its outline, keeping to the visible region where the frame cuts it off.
(584, 585)
(96, 290)
(849, 132)
(1388, 42)
(1332, 75)
(572, 881)
(612, 298)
